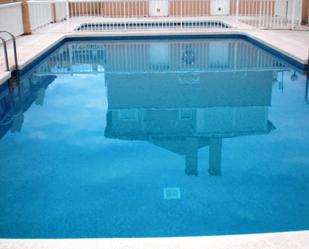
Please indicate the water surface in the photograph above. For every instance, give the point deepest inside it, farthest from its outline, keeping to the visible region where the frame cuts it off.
(154, 139)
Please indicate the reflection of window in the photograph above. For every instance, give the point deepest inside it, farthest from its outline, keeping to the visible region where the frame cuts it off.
(127, 115)
(185, 114)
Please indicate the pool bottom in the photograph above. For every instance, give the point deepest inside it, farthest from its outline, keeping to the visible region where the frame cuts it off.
(151, 139)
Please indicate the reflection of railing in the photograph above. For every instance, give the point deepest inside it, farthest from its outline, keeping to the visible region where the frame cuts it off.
(205, 56)
(189, 57)
(75, 58)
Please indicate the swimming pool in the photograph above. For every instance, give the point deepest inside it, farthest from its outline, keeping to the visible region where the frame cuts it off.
(154, 138)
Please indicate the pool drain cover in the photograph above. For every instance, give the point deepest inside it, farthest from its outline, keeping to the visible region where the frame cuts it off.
(171, 193)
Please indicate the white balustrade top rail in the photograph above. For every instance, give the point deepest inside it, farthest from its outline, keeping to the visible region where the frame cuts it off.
(11, 18)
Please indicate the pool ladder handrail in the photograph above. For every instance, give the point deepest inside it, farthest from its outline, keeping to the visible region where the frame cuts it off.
(6, 53)
(5, 50)
(307, 82)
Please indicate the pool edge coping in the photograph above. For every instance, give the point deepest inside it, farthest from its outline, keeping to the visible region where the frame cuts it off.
(278, 240)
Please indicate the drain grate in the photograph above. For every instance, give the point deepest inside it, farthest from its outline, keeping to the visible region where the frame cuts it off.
(171, 193)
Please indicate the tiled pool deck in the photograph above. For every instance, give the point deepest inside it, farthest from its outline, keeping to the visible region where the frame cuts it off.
(294, 44)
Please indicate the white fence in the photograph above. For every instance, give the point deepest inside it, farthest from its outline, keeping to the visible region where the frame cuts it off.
(41, 13)
(61, 10)
(11, 18)
(271, 14)
(100, 15)
(266, 14)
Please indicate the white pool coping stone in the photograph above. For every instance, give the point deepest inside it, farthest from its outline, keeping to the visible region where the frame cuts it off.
(285, 240)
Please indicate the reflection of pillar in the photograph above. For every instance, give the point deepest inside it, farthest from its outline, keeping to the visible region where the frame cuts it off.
(215, 149)
(191, 156)
(70, 58)
(40, 95)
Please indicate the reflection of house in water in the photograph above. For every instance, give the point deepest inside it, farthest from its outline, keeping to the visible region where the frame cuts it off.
(179, 95)
(75, 58)
(189, 100)
(14, 102)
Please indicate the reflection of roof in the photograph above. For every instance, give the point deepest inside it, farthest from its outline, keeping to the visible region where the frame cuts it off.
(178, 143)
(163, 128)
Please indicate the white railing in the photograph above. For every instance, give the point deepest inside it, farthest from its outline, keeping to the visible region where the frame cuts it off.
(272, 14)
(61, 10)
(101, 15)
(41, 13)
(11, 18)
(279, 14)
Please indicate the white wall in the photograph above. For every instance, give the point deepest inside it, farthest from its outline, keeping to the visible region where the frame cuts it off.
(11, 18)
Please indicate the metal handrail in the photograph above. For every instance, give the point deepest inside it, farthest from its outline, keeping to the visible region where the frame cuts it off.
(307, 89)
(5, 54)
(307, 82)
(14, 48)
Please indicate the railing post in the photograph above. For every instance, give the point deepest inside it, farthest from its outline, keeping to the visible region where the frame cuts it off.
(305, 11)
(260, 15)
(181, 10)
(237, 12)
(125, 14)
(293, 14)
(67, 10)
(54, 12)
(26, 17)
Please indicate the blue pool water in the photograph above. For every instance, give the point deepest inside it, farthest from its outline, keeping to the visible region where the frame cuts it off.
(154, 139)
